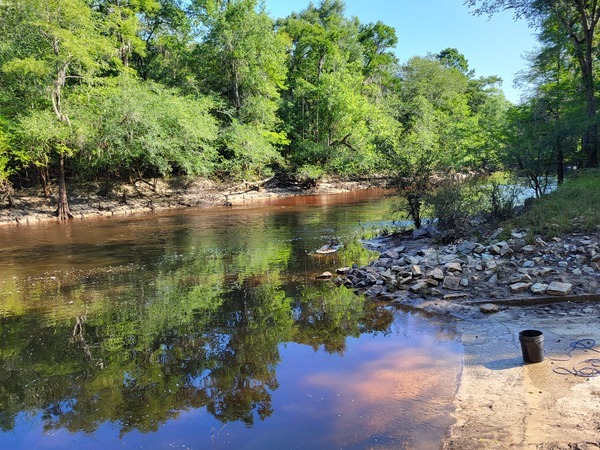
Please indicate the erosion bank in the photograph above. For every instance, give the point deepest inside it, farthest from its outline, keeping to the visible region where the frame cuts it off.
(95, 200)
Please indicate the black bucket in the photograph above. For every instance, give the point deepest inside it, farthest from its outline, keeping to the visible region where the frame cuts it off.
(532, 345)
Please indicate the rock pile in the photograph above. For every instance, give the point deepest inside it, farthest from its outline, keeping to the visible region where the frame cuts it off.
(511, 268)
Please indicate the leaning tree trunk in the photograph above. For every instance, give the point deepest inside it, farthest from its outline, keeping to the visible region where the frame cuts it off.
(63, 212)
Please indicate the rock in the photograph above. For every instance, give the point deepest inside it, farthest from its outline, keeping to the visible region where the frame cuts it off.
(412, 260)
(419, 287)
(383, 262)
(490, 264)
(519, 287)
(528, 264)
(324, 276)
(452, 283)
(495, 249)
(576, 271)
(371, 278)
(479, 249)
(426, 231)
(466, 247)
(436, 274)
(563, 264)
(404, 280)
(539, 288)
(489, 308)
(528, 249)
(374, 291)
(464, 282)
(558, 288)
(493, 279)
(454, 267)
(416, 271)
(343, 270)
(387, 274)
(520, 278)
(389, 254)
(400, 249)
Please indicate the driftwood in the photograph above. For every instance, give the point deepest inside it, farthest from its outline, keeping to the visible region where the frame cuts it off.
(247, 186)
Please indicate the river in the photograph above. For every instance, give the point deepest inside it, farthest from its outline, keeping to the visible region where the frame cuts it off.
(205, 329)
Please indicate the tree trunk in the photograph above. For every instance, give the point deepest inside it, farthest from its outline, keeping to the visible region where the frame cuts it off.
(580, 19)
(44, 176)
(560, 162)
(63, 212)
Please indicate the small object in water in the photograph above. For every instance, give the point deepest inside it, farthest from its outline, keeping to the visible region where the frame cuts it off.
(327, 249)
(324, 276)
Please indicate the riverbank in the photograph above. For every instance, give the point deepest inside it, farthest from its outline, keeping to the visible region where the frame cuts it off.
(496, 288)
(90, 200)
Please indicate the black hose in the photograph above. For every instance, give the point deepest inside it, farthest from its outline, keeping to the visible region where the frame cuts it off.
(589, 370)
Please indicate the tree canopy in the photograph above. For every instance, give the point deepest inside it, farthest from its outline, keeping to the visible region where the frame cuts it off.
(150, 88)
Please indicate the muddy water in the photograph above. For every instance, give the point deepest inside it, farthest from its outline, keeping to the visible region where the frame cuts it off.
(205, 329)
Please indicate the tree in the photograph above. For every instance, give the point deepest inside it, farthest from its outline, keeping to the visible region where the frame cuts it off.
(450, 125)
(339, 75)
(242, 60)
(122, 21)
(54, 41)
(451, 57)
(530, 150)
(553, 85)
(137, 129)
(578, 21)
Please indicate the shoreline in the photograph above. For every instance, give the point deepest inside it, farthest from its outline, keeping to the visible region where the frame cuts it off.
(501, 402)
(86, 200)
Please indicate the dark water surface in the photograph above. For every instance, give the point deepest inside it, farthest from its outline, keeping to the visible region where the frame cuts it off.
(205, 329)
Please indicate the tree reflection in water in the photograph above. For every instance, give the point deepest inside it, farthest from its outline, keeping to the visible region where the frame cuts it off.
(177, 338)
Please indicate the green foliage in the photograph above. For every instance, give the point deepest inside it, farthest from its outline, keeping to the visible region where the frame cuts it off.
(453, 203)
(248, 152)
(572, 207)
(501, 199)
(145, 128)
(216, 88)
(451, 125)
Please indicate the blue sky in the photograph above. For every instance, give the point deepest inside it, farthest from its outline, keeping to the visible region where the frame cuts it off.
(494, 46)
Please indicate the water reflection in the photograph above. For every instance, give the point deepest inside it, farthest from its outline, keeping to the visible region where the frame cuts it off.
(204, 329)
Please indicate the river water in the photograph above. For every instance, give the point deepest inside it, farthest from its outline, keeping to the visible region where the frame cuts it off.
(205, 329)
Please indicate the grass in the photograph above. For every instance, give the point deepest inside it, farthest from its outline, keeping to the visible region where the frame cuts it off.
(573, 207)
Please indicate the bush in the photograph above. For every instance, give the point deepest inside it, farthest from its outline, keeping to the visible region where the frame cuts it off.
(309, 175)
(501, 200)
(454, 202)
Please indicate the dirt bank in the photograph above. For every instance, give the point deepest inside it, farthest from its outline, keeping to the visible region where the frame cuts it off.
(501, 402)
(95, 200)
